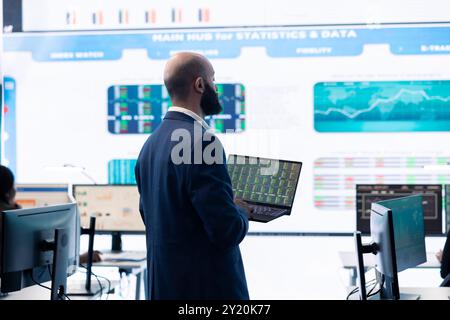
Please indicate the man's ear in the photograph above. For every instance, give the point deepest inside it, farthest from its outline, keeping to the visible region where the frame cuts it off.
(199, 85)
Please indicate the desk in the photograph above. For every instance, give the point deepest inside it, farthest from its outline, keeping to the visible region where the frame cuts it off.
(138, 268)
(36, 292)
(436, 293)
(348, 260)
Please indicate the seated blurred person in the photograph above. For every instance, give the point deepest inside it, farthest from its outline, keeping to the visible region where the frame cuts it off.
(444, 258)
(7, 202)
(7, 190)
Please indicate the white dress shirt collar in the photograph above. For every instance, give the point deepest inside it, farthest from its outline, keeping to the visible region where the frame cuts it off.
(192, 114)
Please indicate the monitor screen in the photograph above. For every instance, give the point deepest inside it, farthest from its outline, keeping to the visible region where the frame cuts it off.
(41, 195)
(447, 208)
(397, 228)
(116, 207)
(409, 231)
(264, 180)
(366, 194)
(23, 260)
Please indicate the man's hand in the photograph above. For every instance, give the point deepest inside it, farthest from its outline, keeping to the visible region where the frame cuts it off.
(244, 205)
(439, 256)
(96, 257)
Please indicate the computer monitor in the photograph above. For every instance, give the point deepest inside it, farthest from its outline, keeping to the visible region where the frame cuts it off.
(115, 207)
(366, 194)
(398, 235)
(447, 208)
(41, 195)
(38, 245)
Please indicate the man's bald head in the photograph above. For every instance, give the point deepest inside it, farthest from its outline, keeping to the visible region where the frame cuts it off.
(181, 72)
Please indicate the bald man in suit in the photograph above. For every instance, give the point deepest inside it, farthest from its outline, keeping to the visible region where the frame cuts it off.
(193, 223)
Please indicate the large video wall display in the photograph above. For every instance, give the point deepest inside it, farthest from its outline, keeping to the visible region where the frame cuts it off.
(356, 98)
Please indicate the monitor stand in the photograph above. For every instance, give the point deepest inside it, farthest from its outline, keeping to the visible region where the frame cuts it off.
(79, 289)
(118, 254)
(59, 266)
(360, 250)
(87, 288)
(116, 242)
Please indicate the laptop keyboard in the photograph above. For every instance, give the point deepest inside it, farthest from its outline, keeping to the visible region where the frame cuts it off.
(267, 211)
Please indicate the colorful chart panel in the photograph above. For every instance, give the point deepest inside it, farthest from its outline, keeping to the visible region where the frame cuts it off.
(121, 171)
(335, 178)
(9, 133)
(134, 109)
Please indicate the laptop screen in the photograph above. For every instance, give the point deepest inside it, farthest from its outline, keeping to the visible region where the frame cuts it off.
(263, 180)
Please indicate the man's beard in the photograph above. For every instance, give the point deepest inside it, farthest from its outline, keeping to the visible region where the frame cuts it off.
(209, 102)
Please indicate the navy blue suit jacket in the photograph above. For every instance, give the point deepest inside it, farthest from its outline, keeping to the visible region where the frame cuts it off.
(193, 227)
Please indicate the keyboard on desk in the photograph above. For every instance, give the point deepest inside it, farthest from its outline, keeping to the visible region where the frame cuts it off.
(124, 256)
(265, 213)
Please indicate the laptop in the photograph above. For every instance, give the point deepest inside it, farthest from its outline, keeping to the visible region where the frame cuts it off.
(267, 185)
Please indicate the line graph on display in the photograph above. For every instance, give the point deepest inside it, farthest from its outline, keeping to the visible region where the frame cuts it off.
(379, 102)
(382, 106)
